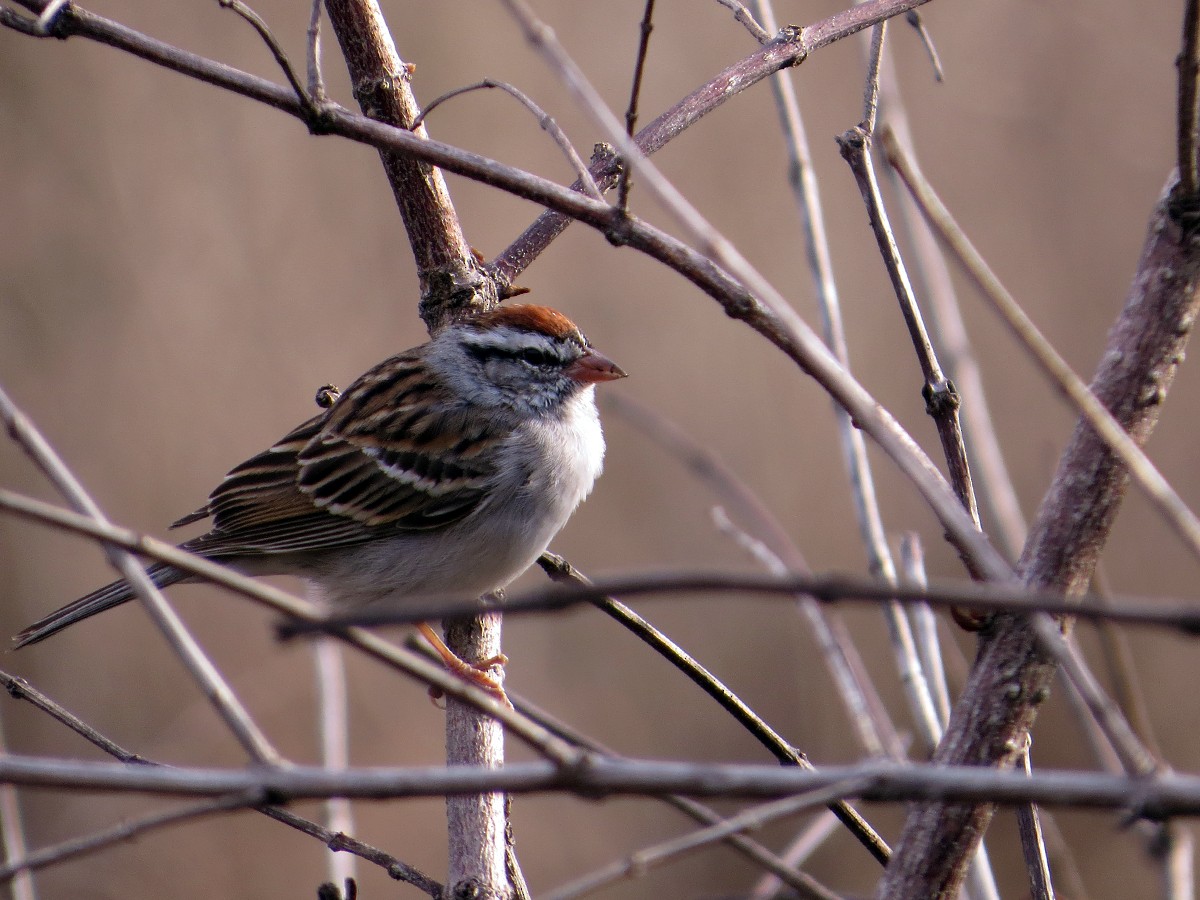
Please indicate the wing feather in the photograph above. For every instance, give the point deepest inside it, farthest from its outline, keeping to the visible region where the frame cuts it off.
(394, 453)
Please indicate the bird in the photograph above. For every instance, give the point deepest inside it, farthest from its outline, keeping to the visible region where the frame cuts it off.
(444, 471)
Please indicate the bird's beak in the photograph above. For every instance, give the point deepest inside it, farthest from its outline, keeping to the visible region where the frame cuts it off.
(593, 367)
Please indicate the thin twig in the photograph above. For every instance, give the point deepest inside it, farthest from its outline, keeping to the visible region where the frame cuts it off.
(941, 398)
(925, 626)
(745, 18)
(865, 710)
(329, 667)
(1037, 866)
(316, 83)
(1122, 671)
(1181, 615)
(1164, 498)
(1188, 112)
(12, 830)
(752, 850)
(1177, 848)
(871, 90)
(864, 707)
(625, 179)
(913, 18)
(802, 178)
(127, 831)
(545, 121)
(559, 569)
(1166, 795)
(210, 681)
(1136, 758)
(639, 862)
(20, 689)
(256, 22)
(931, 276)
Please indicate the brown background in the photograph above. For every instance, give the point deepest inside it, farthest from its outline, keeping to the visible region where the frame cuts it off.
(180, 268)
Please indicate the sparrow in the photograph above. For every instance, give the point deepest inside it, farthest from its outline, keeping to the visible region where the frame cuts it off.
(445, 470)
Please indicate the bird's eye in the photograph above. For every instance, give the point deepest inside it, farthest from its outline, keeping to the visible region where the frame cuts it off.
(535, 357)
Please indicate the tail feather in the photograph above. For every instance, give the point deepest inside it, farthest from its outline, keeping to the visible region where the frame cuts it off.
(97, 601)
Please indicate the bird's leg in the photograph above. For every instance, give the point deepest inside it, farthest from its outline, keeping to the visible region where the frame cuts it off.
(478, 673)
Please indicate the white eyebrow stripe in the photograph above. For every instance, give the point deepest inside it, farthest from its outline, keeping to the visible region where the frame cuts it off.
(509, 341)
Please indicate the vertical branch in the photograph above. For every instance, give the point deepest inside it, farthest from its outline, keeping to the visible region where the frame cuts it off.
(994, 486)
(854, 448)
(871, 92)
(1178, 862)
(476, 822)
(451, 280)
(12, 831)
(1189, 101)
(635, 92)
(452, 284)
(330, 669)
(941, 398)
(1029, 824)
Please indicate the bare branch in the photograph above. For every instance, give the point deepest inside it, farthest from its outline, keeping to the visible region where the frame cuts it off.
(545, 120)
(127, 831)
(913, 18)
(779, 556)
(316, 83)
(308, 102)
(746, 19)
(784, 872)
(755, 817)
(1032, 845)
(22, 690)
(625, 178)
(329, 667)
(1188, 112)
(1181, 615)
(941, 398)
(452, 284)
(559, 569)
(1144, 349)
(1165, 499)
(871, 91)
(1163, 796)
(200, 667)
(16, 847)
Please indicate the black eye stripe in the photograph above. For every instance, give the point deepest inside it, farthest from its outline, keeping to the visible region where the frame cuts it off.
(536, 356)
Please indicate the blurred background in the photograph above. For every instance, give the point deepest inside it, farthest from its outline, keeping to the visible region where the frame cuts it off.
(180, 268)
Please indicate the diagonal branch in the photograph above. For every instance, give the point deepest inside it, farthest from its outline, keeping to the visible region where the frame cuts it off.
(1011, 674)
(451, 281)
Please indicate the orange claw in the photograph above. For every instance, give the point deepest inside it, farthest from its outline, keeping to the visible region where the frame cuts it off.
(478, 674)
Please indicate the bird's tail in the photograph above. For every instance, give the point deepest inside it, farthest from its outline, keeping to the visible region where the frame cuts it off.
(97, 601)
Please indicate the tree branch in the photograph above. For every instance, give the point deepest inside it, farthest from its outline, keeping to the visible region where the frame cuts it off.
(452, 284)
(1012, 674)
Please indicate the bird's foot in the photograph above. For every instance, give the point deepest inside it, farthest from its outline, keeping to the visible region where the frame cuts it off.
(479, 673)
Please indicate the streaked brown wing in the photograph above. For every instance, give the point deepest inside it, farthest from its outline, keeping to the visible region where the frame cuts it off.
(392, 454)
(395, 450)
